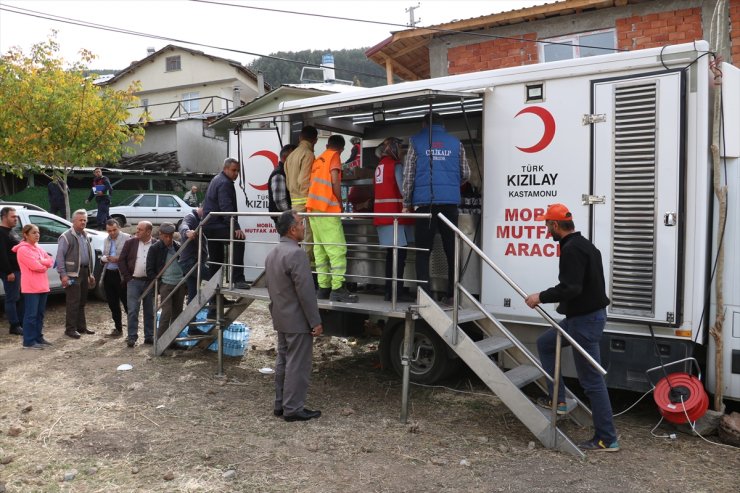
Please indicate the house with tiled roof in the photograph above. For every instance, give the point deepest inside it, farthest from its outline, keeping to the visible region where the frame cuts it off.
(553, 31)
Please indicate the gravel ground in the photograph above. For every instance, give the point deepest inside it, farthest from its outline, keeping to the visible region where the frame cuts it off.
(70, 422)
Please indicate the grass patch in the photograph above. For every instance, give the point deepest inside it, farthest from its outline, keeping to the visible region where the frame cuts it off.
(77, 196)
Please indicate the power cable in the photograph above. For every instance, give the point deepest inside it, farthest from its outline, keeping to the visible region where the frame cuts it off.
(393, 24)
(102, 27)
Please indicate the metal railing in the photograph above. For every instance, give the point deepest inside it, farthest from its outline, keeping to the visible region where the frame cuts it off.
(230, 264)
(560, 332)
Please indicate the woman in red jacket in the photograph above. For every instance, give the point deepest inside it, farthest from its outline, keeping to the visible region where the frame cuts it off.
(34, 262)
(388, 180)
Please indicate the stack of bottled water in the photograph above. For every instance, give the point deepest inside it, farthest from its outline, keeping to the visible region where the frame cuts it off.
(236, 340)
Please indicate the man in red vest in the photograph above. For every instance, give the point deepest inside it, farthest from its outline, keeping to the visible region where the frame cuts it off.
(330, 249)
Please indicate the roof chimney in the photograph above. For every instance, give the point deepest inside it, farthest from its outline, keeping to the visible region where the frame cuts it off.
(150, 51)
(236, 97)
(260, 83)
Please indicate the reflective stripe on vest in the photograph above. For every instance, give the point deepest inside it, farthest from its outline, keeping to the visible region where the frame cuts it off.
(320, 192)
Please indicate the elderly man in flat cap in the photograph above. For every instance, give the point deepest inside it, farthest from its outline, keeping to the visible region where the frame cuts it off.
(159, 254)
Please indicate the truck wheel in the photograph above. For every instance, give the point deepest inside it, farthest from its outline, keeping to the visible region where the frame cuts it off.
(429, 360)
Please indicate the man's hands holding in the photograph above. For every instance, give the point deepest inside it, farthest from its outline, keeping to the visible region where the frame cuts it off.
(317, 331)
(532, 300)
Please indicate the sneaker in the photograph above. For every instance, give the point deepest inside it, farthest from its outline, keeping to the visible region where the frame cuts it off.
(44, 342)
(34, 346)
(342, 295)
(546, 402)
(595, 445)
(16, 331)
(242, 285)
(323, 293)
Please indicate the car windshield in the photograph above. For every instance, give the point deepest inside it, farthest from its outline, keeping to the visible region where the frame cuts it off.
(128, 200)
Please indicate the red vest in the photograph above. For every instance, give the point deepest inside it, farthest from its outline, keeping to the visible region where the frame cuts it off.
(387, 195)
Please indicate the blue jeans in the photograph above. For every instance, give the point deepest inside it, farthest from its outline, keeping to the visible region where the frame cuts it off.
(134, 289)
(33, 320)
(192, 281)
(13, 300)
(586, 330)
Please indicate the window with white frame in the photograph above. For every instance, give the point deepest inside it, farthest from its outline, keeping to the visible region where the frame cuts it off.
(172, 63)
(190, 102)
(578, 45)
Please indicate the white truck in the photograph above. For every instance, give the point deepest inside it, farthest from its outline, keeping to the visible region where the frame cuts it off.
(623, 140)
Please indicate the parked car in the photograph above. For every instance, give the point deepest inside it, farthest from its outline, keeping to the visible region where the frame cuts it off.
(32, 207)
(51, 227)
(155, 207)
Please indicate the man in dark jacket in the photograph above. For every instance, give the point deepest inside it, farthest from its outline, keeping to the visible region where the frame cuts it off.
(435, 169)
(159, 254)
(57, 192)
(581, 294)
(132, 265)
(101, 191)
(10, 272)
(295, 317)
(278, 197)
(221, 197)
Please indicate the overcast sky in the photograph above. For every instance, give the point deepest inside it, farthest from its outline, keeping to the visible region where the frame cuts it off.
(224, 26)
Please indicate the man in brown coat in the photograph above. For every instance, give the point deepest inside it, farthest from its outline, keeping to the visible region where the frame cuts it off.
(295, 317)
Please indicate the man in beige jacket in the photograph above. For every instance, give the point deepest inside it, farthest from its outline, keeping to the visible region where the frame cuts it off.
(298, 176)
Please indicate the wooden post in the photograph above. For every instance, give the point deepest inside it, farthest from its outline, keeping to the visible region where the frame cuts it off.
(388, 71)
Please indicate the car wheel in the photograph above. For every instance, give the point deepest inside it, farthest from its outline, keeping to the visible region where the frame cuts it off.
(429, 360)
(121, 220)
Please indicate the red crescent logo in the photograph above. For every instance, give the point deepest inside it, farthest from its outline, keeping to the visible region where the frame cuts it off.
(547, 120)
(273, 159)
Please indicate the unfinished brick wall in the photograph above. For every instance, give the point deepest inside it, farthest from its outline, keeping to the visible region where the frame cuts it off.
(735, 31)
(659, 29)
(497, 53)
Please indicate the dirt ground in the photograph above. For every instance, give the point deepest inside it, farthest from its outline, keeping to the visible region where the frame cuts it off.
(171, 425)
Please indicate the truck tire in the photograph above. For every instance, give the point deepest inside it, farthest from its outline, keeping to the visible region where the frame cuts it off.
(429, 357)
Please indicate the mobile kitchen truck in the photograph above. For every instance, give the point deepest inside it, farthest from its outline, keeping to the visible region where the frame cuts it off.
(624, 140)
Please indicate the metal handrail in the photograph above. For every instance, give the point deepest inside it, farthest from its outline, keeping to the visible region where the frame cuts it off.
(459, 234)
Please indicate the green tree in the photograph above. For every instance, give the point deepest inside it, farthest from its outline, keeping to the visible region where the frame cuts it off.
(350, 64)
(53, 118)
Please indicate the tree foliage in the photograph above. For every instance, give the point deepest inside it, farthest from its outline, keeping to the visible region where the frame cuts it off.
(53, 117)
(350, 65)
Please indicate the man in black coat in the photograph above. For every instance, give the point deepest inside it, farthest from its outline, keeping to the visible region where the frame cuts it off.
(221, 197)
(581, 294)
(57, 192)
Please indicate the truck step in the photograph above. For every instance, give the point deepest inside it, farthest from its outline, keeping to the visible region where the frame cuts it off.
(524, 374)
(492, 345)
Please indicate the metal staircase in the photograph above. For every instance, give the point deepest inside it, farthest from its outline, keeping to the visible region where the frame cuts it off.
(506, 384)
(498, 342)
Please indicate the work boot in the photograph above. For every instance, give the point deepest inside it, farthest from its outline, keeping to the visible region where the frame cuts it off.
(342, 295)
(323, 293)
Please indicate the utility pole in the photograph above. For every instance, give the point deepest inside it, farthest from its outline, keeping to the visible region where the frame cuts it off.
(410, 10)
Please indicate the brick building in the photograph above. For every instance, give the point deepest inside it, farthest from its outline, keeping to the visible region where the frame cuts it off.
(567, 29)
